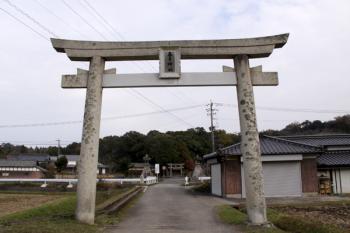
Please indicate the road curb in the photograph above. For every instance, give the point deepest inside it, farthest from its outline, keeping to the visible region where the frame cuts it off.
(120, 202)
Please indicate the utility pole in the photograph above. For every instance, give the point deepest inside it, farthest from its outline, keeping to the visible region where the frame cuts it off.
(58, 147)
(211, 112)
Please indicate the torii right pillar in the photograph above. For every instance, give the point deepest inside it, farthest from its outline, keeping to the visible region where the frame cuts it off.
(250, 145)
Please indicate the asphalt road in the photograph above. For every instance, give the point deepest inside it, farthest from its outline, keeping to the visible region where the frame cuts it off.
(168, 207)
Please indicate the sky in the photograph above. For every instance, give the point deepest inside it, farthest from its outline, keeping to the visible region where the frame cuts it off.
(312, 66)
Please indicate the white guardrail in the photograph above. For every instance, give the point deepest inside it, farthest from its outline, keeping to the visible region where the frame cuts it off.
(203, 178)
(148, 180)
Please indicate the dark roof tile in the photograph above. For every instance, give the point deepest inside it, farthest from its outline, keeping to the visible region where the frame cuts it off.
(334, 158)
(321, 140)
(29, 157)
(272, 146)
(17, 163)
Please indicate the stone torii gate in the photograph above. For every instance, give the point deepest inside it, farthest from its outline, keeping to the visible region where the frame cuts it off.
(170, 53)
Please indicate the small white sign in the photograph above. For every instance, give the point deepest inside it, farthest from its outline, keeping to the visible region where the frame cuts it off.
(156, 168)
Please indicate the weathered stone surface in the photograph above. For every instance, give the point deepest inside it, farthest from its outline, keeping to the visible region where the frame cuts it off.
(259, 78)
(87, 166)
(250, 146)
(190, 49)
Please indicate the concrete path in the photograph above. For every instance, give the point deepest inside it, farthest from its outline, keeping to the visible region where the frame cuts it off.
(169, 208)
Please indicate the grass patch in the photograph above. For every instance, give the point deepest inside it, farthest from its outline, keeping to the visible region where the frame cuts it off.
(20, 184)
(230, 215)
(283, 222)
(298, 225)
(110, 195)
(301, 225)
(314, 204)
(112, 219)
(58, 217)
(35, 192)
(104, 200)
(12, 203)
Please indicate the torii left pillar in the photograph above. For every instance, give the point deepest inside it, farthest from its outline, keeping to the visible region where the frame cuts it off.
(87, 166)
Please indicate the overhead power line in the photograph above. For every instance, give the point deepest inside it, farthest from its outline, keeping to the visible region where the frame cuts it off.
(107, 25)
(303, 110)
(99, 16)
(25, 24)
(94, 28)
(163, 109)
(294, 109)
(30, 18)
(83, 19)
(119, 35)
(104, 20)
(111, 29)
(60, 18)
(105, 118)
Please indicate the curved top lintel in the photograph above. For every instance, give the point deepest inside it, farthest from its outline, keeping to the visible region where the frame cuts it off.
(201, 49)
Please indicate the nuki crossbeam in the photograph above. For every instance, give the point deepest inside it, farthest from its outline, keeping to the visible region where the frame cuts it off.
(226, 78)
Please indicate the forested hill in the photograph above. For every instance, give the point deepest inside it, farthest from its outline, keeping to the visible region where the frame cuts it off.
(176, 146)
(120, 151)
(339, 125)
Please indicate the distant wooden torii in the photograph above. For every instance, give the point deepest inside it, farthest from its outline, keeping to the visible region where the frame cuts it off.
(170, 54)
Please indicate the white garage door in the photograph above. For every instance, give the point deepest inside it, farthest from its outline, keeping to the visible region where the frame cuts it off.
(345, 179)
(281, 179)
(216, 179)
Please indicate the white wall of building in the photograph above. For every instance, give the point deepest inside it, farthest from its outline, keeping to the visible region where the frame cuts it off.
(216, 179)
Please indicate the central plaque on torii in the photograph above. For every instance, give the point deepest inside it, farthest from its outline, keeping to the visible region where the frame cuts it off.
(170, 54)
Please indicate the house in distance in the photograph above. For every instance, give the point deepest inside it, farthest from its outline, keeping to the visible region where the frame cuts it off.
(292, 166)
(20, 169)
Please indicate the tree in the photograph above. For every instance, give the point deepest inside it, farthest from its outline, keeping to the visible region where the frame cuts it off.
(225, 139)
(23, 149)
(132, 145)
(174, 146)
(189, 165)
(61, 163)
(52, 150)
(72, 149)
(122, 166)
(162, 148)
(50, 167)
